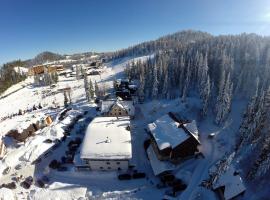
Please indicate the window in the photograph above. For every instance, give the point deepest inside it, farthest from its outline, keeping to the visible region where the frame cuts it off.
(108, 163)
(109, 167)
(118, 163)
(120, 113)
(119, 168)
(101, 168)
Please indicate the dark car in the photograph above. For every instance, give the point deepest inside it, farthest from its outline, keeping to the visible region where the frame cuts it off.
(167, 178)
(11, 185)
(124, 177)
(138, 175)
(179, 187)
(6, 171)
(40, 183)
(36, 161)
(54, 164)
(48, 141)
(62, 169)
(45, 179)
(25, 185)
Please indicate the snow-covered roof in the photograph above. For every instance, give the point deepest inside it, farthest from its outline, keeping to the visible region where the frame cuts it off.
(35, 148)
(107, 138)
(233, 183)
(167, 133)
(192, 128)
(126, 105)
(22, 122)
(60, 191)
(157, 165)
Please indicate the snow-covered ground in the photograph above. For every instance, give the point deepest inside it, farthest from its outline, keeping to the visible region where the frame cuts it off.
(74, 184)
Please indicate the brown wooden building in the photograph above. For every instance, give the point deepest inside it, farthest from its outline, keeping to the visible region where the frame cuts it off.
(171, 140)
(27, 129)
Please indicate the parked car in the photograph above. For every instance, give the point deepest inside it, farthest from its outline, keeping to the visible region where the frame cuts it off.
(29, 179)
(6, 171)
(62, 169)
(179, 187)
(40, 183)
(36, 161)
(11, 185)
(45, 179)
(19, 166)
(54, 164)
(48, 141)
(25, 185)
(138, 175)
(167, 178)
(124, 176)
(47, 154)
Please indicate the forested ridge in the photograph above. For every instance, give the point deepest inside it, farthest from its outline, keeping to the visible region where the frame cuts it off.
(218, 70)
(8, 76)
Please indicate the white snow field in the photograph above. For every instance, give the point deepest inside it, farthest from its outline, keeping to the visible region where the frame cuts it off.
(73, 184)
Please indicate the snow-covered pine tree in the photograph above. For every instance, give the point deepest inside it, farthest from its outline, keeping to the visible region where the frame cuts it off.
(223, 104)
(165, 92)
(97, 92)
(86, 88)
(77, 72)
(142, 85)
(204, 84)
(154, 93)
(91, 90)
(187, 81)
(65, 99)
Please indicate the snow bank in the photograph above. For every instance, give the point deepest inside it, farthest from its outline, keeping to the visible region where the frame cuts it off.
(6, 194)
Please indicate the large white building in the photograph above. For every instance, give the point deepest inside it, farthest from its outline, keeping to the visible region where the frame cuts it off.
(107, 144)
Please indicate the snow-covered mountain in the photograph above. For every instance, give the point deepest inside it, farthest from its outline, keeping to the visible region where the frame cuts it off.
(222, 82)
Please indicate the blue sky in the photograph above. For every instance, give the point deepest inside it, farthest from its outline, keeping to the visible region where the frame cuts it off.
(28, 27)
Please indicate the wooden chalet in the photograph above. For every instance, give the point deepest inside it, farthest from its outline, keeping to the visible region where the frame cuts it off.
(172, 140)
(229, 185)
(28, 128)
(117, 108)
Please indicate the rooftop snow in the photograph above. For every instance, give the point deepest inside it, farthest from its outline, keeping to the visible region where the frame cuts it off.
(21, 122)
(107, 138)
(192, 128)
(60, 191)
(166, 132)
(157, 165)
(233, 183)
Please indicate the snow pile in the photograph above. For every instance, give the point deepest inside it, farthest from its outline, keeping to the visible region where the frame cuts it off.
(6, 194)
(59, 191)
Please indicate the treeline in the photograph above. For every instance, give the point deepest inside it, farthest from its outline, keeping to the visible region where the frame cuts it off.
(217, 69)
(8, 76)
(164, 43)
